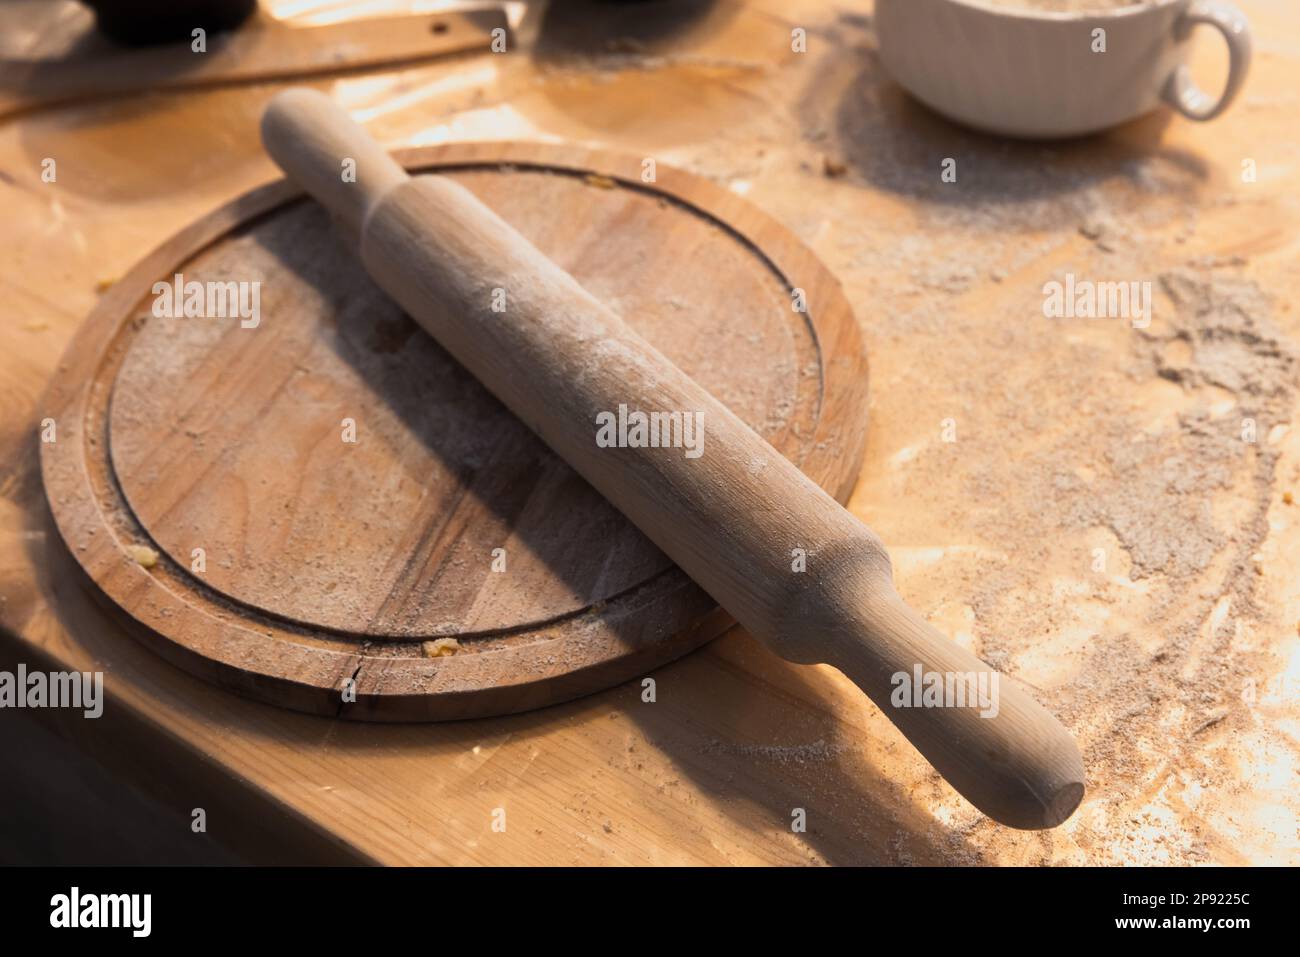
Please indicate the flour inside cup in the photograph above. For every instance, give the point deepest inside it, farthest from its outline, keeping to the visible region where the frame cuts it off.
(1066, 6)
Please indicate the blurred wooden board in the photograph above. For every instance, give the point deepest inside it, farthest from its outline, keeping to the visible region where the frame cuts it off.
(327, 563)
(262, 49)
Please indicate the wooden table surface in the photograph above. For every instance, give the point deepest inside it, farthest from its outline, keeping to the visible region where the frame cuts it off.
(1112, 523)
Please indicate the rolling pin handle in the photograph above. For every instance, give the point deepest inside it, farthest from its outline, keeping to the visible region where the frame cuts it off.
(323, 149)
(987, 736)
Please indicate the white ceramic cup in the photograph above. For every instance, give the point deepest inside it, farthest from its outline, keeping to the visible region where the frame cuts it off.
(1026, 72)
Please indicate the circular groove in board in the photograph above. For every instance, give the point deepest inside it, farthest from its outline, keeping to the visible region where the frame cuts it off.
(326, 560)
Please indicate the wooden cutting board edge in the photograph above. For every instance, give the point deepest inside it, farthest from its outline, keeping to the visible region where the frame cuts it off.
(285, 665)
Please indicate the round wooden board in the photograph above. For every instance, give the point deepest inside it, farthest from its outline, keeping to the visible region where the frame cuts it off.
(293, 563)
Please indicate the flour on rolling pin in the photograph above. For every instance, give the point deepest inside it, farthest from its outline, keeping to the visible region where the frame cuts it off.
(558, 358)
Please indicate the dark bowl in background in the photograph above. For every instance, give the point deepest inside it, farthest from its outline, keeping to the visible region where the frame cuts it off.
(140, 22)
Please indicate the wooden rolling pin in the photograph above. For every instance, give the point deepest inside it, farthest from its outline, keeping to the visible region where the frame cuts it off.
(730, 517)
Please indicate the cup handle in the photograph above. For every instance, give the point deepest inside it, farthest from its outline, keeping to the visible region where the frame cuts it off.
(1181, 91)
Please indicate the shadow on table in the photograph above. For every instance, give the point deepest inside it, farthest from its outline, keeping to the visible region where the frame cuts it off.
(898, 145)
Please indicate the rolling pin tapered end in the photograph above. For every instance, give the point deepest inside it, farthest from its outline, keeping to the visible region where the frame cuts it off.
(1002, 750)
(322, 148)
(1065, 803)
(1047, 793)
